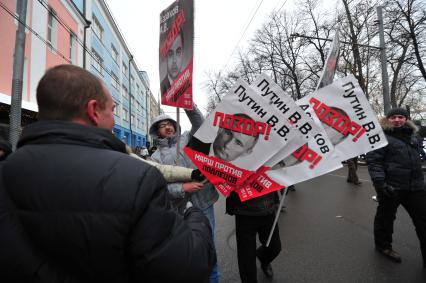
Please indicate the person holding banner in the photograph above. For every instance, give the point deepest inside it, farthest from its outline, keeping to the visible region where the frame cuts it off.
(398, 179)
(164, 131)
(252, 217)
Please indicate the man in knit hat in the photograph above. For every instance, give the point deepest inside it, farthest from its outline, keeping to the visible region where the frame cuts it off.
(398, 180)
(165, 132)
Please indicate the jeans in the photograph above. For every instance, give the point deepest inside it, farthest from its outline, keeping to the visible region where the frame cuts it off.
(209, 213)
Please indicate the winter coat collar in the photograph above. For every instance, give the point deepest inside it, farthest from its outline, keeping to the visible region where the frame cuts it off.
(62, 132)
(387, 126)
(405, 133)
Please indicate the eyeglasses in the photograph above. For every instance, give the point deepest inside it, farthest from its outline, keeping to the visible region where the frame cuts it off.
(165, 124)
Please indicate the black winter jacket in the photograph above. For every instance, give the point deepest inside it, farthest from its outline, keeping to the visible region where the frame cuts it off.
(398, 164)
(260, 206)
(98, 214)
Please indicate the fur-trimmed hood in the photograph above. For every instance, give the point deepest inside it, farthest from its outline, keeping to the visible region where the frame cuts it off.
(387, 126)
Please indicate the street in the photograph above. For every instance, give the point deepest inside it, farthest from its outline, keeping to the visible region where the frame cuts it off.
(327, 236)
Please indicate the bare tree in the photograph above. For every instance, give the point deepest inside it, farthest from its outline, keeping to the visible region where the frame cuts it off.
(295, 63)
(414, 13)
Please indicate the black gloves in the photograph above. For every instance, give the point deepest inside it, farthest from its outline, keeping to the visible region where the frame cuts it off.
(196, 175)
(385, 189)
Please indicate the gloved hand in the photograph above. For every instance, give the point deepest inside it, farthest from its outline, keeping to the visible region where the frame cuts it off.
(196, 175)
(386, 190)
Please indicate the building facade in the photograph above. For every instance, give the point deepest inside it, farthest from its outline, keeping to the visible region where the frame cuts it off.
(154, 111)
(80, 32)
(47, 43)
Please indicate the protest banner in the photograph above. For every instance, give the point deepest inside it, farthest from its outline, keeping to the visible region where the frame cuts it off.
(347, 117)
(330, 65)
(297, 169)
(176, 54)
(238, 137)
(260, 184)
(350, 128)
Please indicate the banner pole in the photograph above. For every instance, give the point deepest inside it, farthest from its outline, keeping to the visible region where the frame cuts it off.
(178, 135)
(277, 215)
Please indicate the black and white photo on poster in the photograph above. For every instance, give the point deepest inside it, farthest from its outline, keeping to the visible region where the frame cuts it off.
(223, 133)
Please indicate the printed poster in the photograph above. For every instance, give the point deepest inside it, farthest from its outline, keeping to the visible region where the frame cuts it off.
(238, 137)
(176, 54)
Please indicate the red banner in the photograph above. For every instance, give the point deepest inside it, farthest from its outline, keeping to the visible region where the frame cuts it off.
(176, 54)
(260, 186)
(180, 92)
(218, 171)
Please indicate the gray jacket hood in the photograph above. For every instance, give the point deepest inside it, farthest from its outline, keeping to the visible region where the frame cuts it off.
(154, 126)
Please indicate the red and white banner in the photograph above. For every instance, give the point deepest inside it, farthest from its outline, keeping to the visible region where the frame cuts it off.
(330, 65)
(349, 123)
(239, 136)
(260, 184)
(176, 54)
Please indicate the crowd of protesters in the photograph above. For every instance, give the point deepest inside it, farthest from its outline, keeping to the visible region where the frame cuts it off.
(76, 205)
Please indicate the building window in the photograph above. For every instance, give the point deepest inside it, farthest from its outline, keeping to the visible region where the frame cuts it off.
(73, 48)
(126, 115)
(114, 54)
(125, 93)
(125, 69)
(114, 80)
(133, 120)
(97, 28)
(97, 61)
(52, 29)
(117, 109)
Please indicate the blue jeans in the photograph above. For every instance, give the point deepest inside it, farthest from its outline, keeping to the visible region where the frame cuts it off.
(209, 213)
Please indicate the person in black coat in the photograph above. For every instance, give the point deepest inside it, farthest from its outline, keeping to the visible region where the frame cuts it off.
(397, 176)
(254, 217)
(97, 213)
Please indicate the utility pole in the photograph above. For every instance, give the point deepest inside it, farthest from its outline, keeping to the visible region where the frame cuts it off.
(385, 78)
(146, 114)
(86, 26)
(130, 101)
(18, 72)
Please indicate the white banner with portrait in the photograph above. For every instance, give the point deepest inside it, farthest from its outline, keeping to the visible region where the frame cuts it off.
(239, 136)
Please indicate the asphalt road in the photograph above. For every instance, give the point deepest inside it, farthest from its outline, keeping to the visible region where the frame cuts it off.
(327, 236)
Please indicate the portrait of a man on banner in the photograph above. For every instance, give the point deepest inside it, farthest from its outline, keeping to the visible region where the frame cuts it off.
(176, 54)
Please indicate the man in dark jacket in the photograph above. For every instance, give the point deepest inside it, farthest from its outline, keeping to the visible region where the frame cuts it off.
(252, 217)
(85, 205)
(398, 179)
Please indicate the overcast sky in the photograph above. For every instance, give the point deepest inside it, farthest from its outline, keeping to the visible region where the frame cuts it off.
(219, 25)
